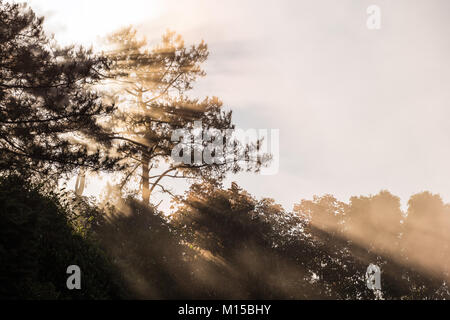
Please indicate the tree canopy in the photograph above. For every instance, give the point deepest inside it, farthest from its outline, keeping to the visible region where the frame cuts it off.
(48, 108)
(68, 110)
(151, 88)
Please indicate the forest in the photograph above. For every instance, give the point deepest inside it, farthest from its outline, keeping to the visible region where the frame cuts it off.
(68, 112)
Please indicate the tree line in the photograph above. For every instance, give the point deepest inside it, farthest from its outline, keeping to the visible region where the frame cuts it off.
(68, 110)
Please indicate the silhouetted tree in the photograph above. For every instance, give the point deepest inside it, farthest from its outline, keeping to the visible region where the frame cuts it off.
(151, 88)
(242, 245)
(48, 109)
(426, 246)
(376, 221)
(346, 238)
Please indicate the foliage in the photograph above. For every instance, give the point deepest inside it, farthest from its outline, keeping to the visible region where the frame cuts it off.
(237, 241)
(48, 108)
(38, 243)
(151, 87)
(321, 250)
(146, 250)
(220, 243)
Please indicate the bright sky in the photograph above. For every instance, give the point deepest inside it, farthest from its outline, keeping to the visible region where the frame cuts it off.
(85, 20)
(359, 110)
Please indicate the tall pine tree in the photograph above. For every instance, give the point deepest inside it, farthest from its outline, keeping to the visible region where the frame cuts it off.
(152, 86)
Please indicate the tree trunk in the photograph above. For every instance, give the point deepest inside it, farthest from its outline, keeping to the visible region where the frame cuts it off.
(145, 181)
(145, 163)
(80, 183)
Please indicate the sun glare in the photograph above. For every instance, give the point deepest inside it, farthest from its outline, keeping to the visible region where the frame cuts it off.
(85, 21)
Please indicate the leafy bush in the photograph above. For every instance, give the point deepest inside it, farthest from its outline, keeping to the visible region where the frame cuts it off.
(146, 250)
(37, 244)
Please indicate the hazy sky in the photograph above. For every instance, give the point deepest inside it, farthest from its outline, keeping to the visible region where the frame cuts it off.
(359, 110)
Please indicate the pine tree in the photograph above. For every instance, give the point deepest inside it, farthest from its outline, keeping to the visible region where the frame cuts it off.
(152, 86)
(48, 107)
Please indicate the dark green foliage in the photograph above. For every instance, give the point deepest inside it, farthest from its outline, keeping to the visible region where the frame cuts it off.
(38, 243)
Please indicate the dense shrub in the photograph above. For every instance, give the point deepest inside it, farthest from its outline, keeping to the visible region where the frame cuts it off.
(37, 244)
(147, 251)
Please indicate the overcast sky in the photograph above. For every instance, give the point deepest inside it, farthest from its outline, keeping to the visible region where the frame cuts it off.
(359, 110)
